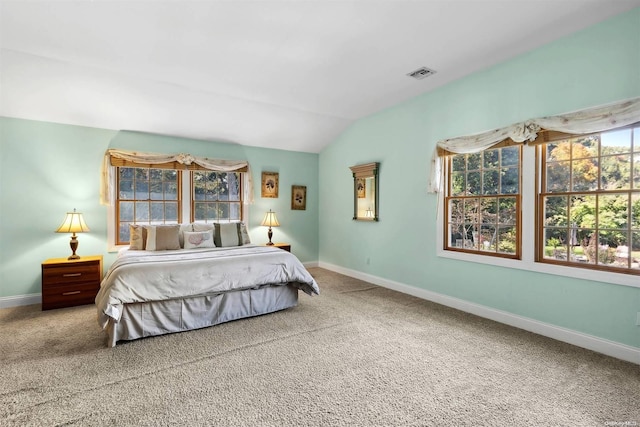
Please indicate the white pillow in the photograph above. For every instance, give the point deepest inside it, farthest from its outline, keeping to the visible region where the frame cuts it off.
(183, 228)
(198, 239)
(201, 226)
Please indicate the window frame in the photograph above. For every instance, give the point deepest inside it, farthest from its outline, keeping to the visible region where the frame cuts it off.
(448, 246)
(528, 192)
(193, 200)
(117, 201)
(184, 191)
(541, 178)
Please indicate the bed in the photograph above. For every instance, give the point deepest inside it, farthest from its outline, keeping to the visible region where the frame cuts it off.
(147, 293)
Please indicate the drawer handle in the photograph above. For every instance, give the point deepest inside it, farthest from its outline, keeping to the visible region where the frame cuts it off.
(72, 275)
(71, 293)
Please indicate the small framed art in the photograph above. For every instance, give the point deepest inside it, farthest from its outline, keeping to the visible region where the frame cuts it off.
(361, 186)
(270, 184)
(299, 197)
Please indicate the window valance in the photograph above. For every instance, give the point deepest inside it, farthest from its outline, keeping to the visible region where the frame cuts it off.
(115, 157)
(591, 120)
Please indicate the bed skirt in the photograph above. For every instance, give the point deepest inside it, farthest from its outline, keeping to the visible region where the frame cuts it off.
(141, 320)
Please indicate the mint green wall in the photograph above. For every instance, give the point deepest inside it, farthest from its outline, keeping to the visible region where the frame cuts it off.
(47, 169)
(592, 67)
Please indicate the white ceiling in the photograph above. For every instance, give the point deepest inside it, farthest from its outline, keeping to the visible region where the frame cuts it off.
(281, 74)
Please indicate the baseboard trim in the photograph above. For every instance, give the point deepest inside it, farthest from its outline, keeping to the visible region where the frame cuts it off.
(310, 264)
(590, 342)
(18, 300)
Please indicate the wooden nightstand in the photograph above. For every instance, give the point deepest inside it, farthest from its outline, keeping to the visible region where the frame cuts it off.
(66, 283)
(283, 246)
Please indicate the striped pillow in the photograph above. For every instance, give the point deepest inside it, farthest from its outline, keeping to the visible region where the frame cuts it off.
(163, 237)
(227, 234)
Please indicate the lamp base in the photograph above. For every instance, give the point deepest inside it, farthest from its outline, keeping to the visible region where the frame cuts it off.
(270, 235)
(74, 246)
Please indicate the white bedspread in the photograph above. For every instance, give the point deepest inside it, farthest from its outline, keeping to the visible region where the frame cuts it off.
(141, 276)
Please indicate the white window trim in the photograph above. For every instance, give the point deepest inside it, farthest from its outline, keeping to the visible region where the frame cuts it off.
(185, 208)
(528, 196)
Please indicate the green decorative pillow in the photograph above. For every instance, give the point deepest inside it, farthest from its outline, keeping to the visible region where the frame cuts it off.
(227, 234)
(246, 240)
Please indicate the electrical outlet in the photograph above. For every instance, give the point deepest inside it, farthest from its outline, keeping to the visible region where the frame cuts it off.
(638, 319)
(368, 261)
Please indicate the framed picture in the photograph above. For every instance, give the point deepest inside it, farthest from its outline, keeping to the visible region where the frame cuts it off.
(361, 188)
(270, 184)
(299, 197)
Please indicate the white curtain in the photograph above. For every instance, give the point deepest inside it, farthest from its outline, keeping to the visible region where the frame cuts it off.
(107, 193)
(591, 120)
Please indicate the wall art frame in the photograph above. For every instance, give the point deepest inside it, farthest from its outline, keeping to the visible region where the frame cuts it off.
(270, 185)
(299, 197)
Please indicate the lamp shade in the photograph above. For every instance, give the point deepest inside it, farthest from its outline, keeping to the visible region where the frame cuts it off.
(73, 223)
(270, 219)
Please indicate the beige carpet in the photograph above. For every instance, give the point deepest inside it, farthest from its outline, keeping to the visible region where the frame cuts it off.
(357, 355)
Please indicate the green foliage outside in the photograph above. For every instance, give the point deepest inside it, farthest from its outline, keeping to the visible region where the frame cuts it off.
(597, 219)
(591, 202)
(483, 215)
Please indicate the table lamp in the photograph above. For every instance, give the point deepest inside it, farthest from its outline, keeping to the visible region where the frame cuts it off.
(73, 223)
(270, 220)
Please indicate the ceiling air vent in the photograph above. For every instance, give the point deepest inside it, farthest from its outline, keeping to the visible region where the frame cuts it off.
(421, 73)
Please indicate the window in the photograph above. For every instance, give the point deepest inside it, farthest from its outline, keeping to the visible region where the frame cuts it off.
(154, 196)
(589, 201)
(585, 195)
(146, 196)
(576, 211)
(156, 188)
(482, 202)
(216, 196)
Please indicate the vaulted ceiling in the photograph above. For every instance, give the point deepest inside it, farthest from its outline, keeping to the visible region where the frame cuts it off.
(281, 74)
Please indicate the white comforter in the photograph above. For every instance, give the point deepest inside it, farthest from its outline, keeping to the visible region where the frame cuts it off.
(140, 276)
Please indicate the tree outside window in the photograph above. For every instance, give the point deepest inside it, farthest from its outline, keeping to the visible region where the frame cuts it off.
(483, 202)
(590, 199)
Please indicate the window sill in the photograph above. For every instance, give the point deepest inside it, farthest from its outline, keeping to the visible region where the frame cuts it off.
(558, 270)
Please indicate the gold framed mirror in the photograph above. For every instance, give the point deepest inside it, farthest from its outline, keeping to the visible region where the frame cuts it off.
(365, 191)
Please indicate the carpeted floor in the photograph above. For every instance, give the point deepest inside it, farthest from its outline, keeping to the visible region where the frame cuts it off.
(357, 355)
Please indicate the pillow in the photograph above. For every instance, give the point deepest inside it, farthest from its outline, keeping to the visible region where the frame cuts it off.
(198, 239)
(137, 237)
(183, 228)
(163, 237)
(227, 234)
(201, 226)
(246, 240)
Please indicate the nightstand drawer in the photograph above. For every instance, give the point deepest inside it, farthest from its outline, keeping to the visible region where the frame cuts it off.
(69, 295)
(86, 272)
(66, 283)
